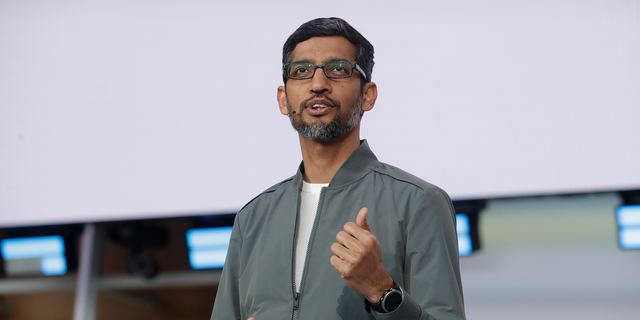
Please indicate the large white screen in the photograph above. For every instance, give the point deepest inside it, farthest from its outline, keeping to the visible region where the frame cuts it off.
(132, 109)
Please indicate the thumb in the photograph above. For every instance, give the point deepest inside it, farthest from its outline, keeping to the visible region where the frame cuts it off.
(361, 219)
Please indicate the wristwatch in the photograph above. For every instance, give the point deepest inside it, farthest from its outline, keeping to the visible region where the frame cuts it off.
(389, 301)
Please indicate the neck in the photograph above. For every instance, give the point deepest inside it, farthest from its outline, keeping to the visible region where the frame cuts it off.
(321, 160)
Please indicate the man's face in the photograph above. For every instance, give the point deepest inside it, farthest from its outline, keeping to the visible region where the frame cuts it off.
(325, 109)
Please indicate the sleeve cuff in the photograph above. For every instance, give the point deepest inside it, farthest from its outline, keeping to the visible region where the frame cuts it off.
(408, 309)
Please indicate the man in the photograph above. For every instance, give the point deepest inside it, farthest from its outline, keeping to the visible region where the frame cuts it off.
(347, 237)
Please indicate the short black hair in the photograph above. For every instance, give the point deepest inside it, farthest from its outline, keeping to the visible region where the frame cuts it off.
(331, 27)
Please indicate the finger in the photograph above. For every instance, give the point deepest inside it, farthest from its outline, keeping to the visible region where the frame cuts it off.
(338, 250)
(336, 262)
(341, 266)
(356, 233)
(361, 219)
(252, 318)
(348, 238)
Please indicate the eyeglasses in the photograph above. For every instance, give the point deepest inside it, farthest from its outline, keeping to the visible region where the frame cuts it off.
(332, 69)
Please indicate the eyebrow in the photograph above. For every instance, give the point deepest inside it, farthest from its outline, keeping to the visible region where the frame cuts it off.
(332, 58)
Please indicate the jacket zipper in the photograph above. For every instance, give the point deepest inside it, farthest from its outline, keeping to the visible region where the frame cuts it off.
(296, 294)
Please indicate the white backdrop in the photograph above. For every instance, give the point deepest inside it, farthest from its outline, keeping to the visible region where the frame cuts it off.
(132, 109)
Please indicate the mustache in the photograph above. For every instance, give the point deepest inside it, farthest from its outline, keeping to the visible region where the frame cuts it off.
(336, 104)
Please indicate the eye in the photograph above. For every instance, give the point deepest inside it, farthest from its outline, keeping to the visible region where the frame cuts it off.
(338, 69)
(300, 70)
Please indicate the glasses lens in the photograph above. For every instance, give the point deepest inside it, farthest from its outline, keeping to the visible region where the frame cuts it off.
(301, 70)
(338, 69)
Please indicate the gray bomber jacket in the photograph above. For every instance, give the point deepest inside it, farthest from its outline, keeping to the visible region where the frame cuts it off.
(413, 220)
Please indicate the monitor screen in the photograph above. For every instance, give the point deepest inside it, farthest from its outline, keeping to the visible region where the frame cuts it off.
(463, 228)
(208, 247)
(34, 256)
(628, 218)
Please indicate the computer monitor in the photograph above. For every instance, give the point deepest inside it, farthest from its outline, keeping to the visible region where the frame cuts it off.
(34, 256)
(463, 227)
(208, 247)
(628, 218)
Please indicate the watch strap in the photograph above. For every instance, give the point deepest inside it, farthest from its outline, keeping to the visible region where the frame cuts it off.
(389, 301)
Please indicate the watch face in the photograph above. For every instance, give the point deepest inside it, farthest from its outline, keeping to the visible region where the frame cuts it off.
(392, 300)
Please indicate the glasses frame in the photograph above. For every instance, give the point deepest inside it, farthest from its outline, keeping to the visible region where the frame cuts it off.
(354, 66)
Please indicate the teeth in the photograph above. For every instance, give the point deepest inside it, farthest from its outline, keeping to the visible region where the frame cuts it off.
(318, 106)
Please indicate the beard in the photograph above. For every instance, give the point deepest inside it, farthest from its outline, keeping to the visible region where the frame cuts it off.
(323, 132)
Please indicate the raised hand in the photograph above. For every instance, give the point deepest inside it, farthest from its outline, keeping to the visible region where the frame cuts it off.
(358, 257)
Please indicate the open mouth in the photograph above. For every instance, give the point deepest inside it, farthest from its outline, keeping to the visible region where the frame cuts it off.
(318, 106)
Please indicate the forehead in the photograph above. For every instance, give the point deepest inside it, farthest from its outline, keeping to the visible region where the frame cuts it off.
(319, 50)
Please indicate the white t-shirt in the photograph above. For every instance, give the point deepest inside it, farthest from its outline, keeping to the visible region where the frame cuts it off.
(309, 197)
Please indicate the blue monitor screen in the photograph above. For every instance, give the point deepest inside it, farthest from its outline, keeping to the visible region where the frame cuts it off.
(464, 239)
(208, 247)
(35, 255)
(629, 224)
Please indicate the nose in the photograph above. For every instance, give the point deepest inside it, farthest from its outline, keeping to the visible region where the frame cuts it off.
(320, 83)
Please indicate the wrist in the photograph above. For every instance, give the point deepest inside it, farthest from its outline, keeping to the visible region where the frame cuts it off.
(389, 301)
(375, 296)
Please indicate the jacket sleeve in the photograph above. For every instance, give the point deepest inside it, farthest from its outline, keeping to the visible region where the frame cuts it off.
(432, 283)
(227, 304)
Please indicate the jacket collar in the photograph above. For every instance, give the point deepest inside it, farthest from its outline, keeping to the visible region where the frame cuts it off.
(357, 165)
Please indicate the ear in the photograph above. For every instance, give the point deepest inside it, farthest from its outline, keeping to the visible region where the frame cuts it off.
(369, 96)
(282, 100)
